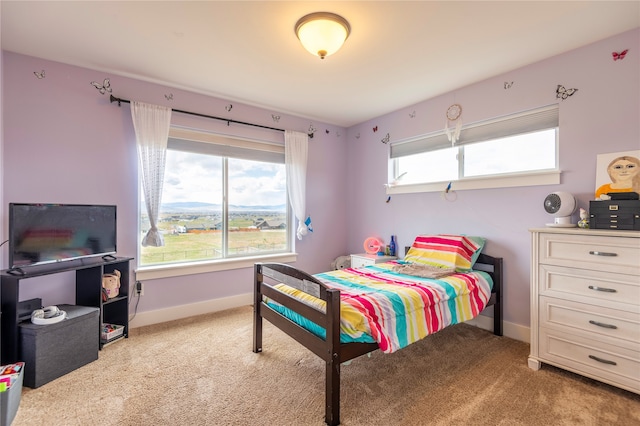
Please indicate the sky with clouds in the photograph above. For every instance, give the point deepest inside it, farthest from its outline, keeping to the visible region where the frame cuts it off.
(198, 178)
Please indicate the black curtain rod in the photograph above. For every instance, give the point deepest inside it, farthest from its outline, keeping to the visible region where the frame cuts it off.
(228, 120)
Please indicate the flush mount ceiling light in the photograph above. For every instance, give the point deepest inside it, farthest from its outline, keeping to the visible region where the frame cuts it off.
(322, 33)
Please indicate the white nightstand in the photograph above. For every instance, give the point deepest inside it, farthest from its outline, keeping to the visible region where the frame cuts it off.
(363, 259)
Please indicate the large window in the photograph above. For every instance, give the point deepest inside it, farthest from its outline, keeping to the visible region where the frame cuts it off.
(489, 154)
(222, 198)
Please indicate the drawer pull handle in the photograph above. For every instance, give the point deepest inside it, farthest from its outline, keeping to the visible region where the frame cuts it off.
(604, 289)
(604, 361)
(603, 253)
(603, 325)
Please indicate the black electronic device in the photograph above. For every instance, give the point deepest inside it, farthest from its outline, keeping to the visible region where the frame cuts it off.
(50, 233)
(26, 307)
(623, 195)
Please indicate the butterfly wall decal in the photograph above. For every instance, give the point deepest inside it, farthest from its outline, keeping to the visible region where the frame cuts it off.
(104, 87)
(40, 75)
(228, 107)
(358, 135)
(412, 114)
(620, 55)
(385, 139)
(562, 93)
(375, 129)
(275, 118)
(169, 97)
(508, 84)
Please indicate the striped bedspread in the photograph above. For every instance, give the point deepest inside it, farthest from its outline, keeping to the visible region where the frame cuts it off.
(393, 309)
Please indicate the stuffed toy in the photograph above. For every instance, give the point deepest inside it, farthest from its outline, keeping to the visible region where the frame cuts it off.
(111, 284)
(341, 262)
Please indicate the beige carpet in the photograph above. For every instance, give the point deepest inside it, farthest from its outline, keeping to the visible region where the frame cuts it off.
(201, 371)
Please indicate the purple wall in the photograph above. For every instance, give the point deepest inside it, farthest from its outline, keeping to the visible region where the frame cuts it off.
(64, 142)
(601, 117)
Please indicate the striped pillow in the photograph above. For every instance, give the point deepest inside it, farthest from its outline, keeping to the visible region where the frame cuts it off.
(445, 251)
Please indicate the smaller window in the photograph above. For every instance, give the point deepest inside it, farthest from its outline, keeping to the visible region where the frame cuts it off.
(513, 154)
(509, 146)
(433, 166)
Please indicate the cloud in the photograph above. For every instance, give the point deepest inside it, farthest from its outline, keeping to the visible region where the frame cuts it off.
(198, 178)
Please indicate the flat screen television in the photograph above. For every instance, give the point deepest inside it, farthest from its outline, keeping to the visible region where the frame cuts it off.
(49, 233)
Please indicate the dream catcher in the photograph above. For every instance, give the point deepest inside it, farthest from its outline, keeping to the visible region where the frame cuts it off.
(453, 115)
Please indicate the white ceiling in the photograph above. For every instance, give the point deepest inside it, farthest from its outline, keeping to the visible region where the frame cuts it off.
(398, 54)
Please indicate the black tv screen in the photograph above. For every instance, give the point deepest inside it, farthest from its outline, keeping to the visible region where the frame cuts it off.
(48, 233)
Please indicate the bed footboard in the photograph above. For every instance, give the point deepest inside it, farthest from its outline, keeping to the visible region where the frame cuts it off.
(329, 349)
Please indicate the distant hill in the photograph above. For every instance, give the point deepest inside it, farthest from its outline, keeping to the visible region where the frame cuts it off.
(196, 207)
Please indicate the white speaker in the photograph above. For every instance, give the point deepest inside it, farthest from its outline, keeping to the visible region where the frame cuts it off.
(561, 206)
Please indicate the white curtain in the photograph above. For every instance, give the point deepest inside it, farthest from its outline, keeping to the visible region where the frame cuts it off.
(151, 123)
(295, 157)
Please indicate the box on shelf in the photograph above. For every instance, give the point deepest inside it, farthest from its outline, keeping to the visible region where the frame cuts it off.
(10, 391)
(111, 331)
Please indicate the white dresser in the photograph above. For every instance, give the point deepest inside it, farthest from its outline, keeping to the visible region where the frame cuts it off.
(585, 303)
(363, 259)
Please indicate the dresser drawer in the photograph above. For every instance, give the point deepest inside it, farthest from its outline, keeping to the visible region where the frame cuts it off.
(595, 252)
(607, 363)
(607, 325)
(589, 286)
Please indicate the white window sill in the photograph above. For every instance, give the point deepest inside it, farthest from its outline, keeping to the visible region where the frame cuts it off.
(177, 270)
(524, 179)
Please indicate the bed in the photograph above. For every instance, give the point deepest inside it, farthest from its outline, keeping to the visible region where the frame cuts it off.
(308, 308)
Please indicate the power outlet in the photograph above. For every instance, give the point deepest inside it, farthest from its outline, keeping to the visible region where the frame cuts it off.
(139, 288)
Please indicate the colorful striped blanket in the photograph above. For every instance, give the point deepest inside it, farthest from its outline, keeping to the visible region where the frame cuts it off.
(393, 309)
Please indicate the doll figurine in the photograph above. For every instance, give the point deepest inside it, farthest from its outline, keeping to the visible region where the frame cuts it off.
(584, 219)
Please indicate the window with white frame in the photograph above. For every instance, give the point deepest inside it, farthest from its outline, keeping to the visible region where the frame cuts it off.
(222, 198)
(516, 150)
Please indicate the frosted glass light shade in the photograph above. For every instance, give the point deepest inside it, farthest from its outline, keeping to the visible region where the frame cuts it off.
(322, 33)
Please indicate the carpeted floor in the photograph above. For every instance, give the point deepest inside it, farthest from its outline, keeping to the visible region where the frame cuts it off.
(201, 371)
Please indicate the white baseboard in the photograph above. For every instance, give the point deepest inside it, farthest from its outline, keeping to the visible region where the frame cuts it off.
(184, 311)
(509, 329)
(512, 330)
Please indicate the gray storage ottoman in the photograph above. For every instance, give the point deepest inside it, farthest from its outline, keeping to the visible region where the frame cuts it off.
(53, 350)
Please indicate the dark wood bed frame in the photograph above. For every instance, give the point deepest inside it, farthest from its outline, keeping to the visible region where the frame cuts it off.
(330, 349)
